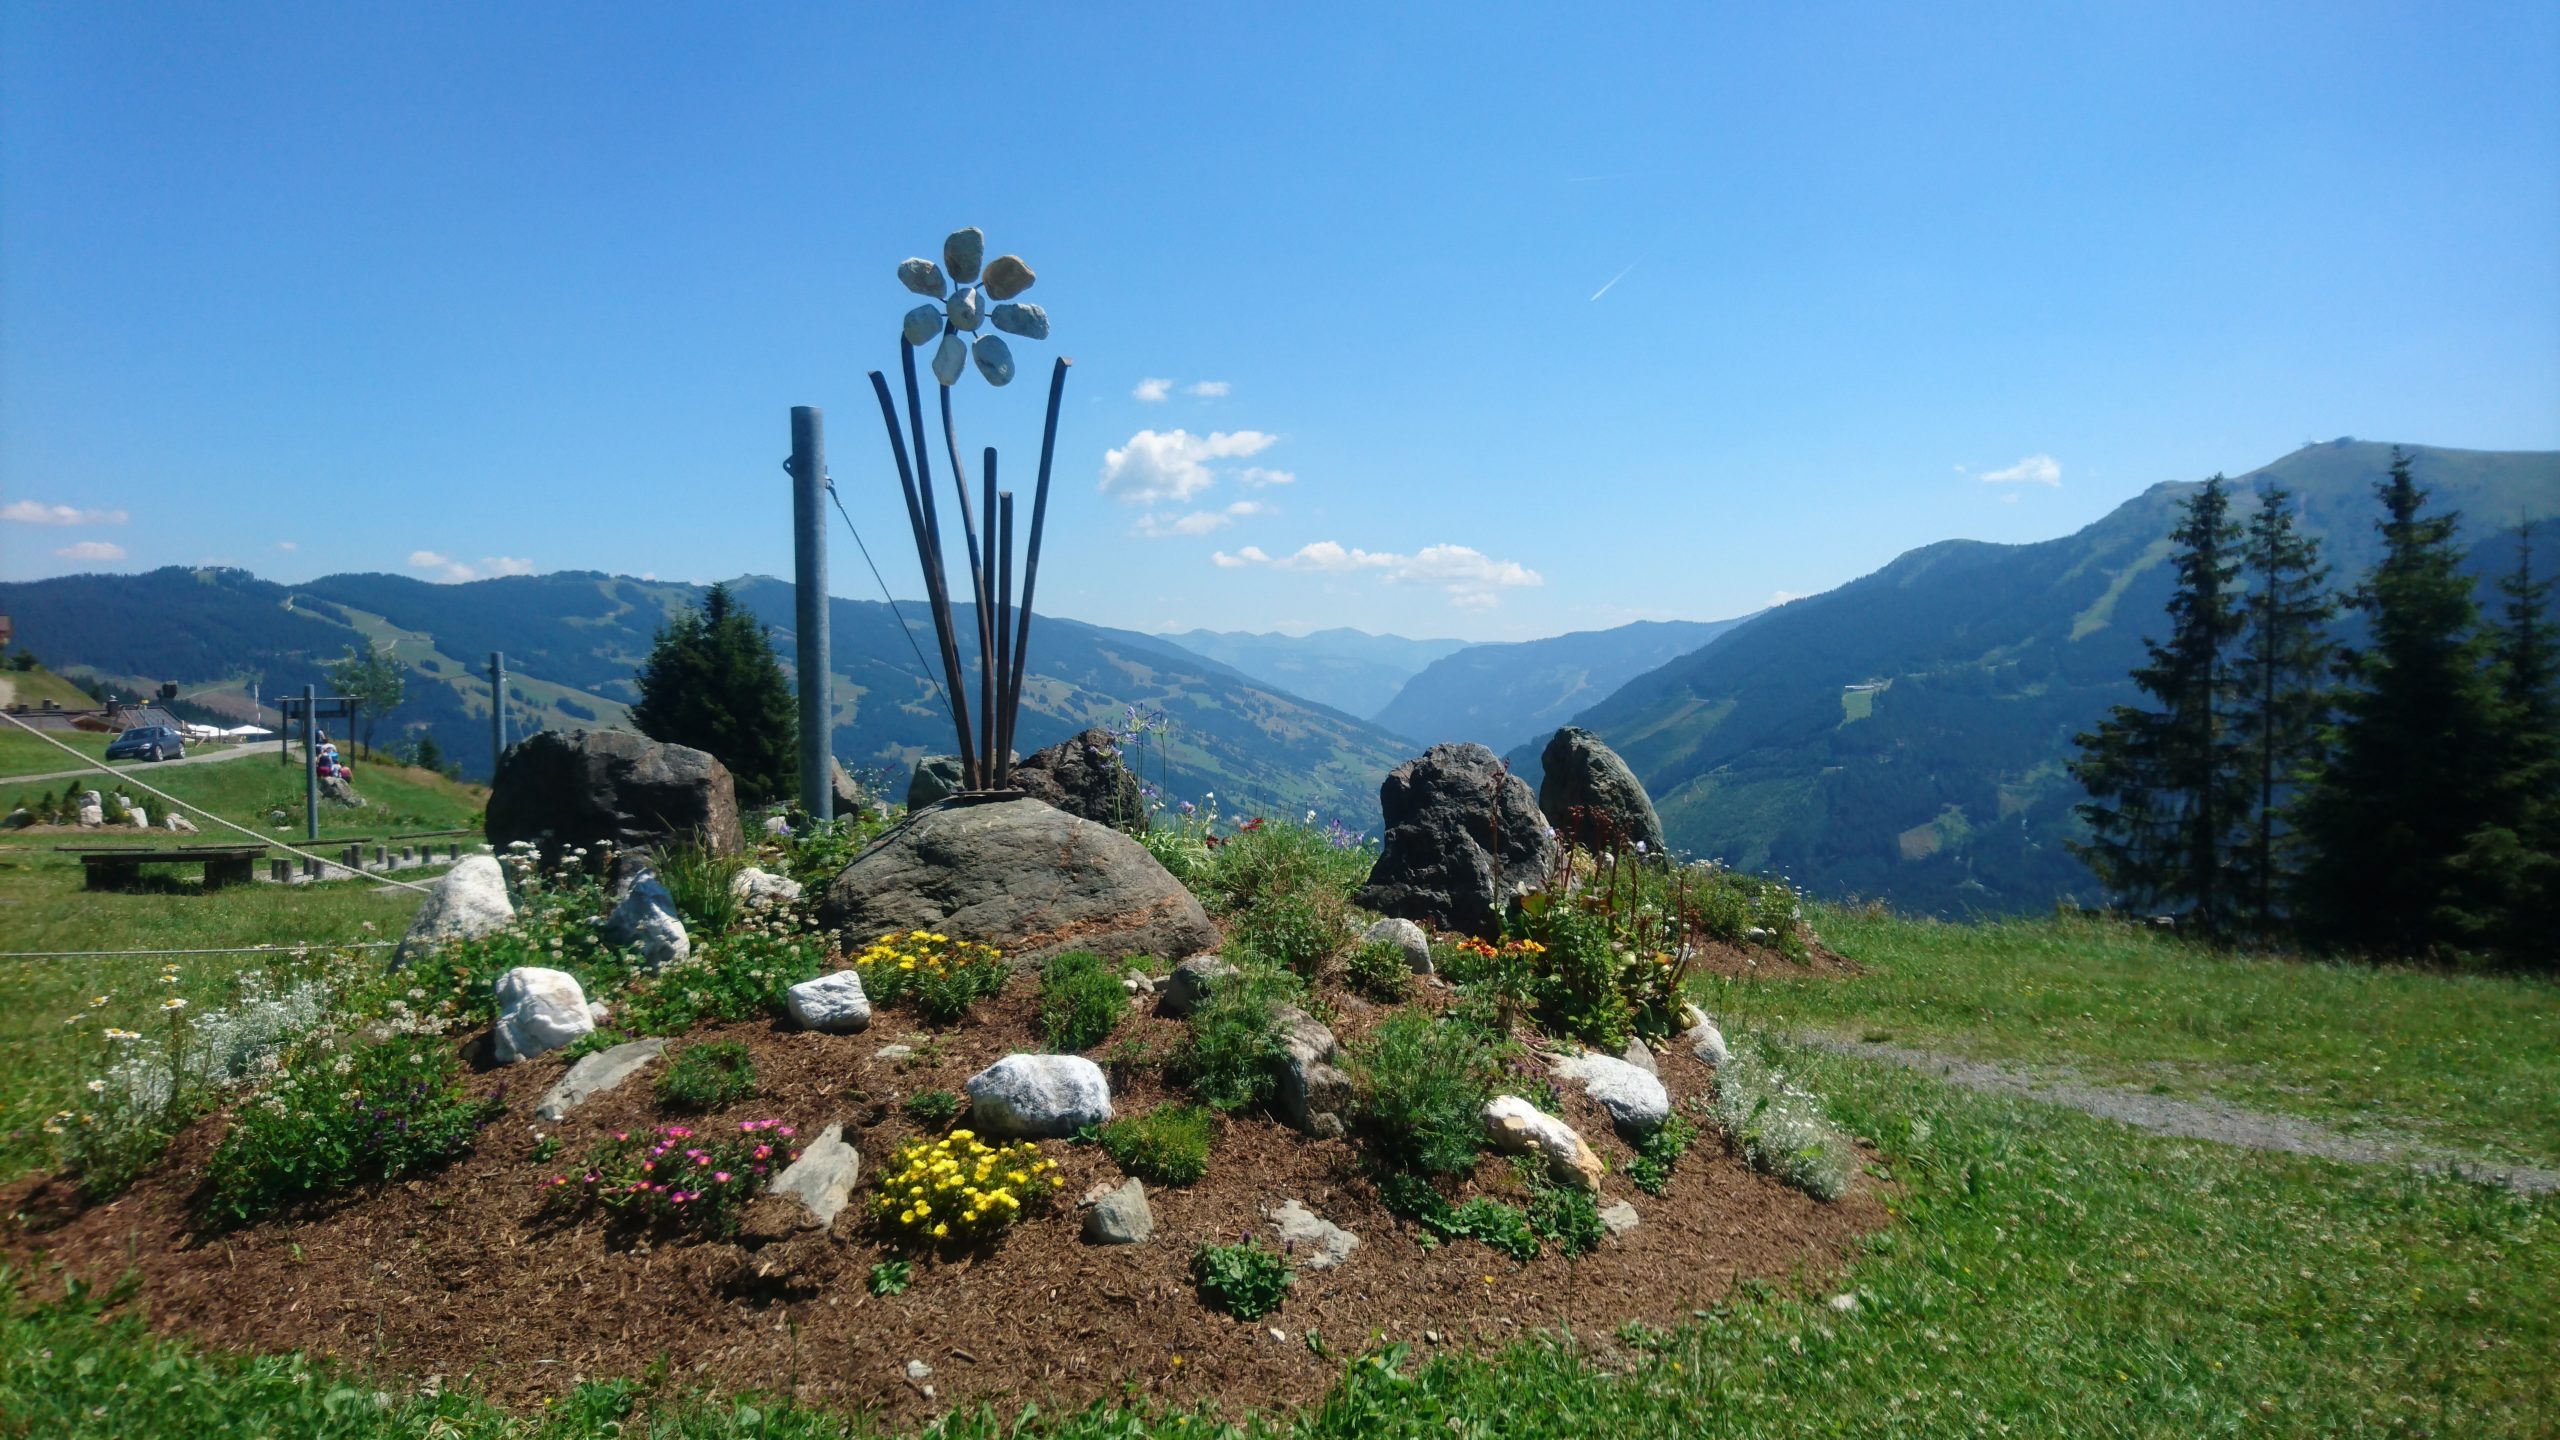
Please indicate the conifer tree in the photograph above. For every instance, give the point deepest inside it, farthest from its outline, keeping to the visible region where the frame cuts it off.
(712, 682)
(2413, 761)
(2168, 798)
(2283, 689)
(2515, 859)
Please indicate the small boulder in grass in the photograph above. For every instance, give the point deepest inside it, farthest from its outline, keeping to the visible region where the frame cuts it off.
(832, 1003)
(1406, 937)
(1038, 1096)
(646, 921)
(538, 1011)
(469, 903)
(1191, 984)
(1703, 1038)
(755, 887)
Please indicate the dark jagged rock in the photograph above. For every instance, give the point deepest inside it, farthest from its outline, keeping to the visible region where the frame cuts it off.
(937, 777)
(1592, 798)
(1084, 776)
(581, 787)
(1022, 876)
(1463, 836)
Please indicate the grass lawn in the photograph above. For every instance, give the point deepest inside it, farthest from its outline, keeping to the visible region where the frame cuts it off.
(25, 754)
(2047, 1273)
(2467, 1061)
(398, 798)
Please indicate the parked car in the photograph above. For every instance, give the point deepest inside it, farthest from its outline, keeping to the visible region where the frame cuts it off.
(148, 742)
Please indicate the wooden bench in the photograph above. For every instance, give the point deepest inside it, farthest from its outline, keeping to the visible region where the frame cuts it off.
(122, 869)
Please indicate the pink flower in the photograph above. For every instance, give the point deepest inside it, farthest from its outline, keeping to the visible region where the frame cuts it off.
(763, 1150)
(720, 1175)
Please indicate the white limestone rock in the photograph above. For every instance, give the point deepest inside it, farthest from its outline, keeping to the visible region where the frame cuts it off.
(755, 887)
(538, 1011)
(1517, 1127)
(822, 1178)
(1043, 1096)
(1703, 1038)
(832, 1003)
(1316, 1243)
(469, 903)
(1635, 1100)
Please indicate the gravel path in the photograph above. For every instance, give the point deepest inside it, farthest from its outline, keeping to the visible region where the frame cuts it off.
(2213, 1120)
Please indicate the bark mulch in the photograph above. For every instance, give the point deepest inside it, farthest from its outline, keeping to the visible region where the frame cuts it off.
(458, 1274)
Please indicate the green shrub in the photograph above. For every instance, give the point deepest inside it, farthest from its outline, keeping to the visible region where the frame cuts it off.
(1169, 1144)
(1298, 933)
(1081, 1001)
(1777, 1127)
(1566, 1216)
(1660, 1153)
(892, 1277)
(1269, 860)
(934, 1109)
(1577, 988)
(1407, 1194)
(698, 879)
(707, 1076)
(395, 1107)
(744, 975)
(1244, 1280)
(1419, 1089)
(816, 854)
(1233, 1051)
(1380, 971)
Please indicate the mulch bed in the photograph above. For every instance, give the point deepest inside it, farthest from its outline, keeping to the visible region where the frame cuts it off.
(458, 1274)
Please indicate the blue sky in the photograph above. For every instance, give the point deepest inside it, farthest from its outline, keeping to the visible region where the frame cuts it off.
(1490, 321)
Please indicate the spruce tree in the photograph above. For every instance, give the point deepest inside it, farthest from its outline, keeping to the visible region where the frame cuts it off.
(2514, 860)
(712, 682)
(2168, 798)
(2413, 761)
(2283, 689)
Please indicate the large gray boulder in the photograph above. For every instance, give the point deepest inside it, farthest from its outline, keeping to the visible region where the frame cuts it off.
(1592, 798)
(586, 787)
(1463, 836)
(1084, 776)
(1022, 876)
(468, 903)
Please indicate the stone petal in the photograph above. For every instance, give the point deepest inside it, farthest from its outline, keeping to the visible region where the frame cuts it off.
(948, 358)
(967, 309)
(962, 253)
(922, 276)
(1008, 277)
(922, 323)
(1028, 321)
(995, 360)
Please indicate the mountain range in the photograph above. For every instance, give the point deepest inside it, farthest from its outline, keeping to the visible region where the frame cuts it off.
(1904, 736)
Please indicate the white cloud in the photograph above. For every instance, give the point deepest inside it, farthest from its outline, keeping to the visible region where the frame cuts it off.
(1199, 522)
(1781, 597)
(1153, 391)
(1470, 578)
(450, 571)
(1173, 464)
(2036, 469)
(1257, 477)
(30, 512)
(91, 550)
(288, 546)
(446, 567)
(1208, 389)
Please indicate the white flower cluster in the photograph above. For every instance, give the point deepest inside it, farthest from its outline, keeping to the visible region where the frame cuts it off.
(1779, 1126)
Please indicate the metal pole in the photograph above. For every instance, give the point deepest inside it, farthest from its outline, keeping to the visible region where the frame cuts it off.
(310, 761)
(809, 596)
(497, 710)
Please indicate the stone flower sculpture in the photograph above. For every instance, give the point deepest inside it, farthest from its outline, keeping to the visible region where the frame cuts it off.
(962, 295)
(968, 293)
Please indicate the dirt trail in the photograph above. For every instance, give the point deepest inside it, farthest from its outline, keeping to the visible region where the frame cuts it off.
(2214, 1120)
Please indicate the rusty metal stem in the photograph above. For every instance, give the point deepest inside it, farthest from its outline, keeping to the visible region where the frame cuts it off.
(937, 585)
(1039, 515)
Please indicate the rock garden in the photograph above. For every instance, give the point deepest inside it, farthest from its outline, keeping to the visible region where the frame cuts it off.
(1008, 1098)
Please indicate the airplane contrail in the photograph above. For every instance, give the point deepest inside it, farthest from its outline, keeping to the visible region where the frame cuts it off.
(1614, 279)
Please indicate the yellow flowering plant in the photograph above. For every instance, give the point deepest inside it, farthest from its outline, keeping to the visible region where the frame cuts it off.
(938, 975)
(958, 1188)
